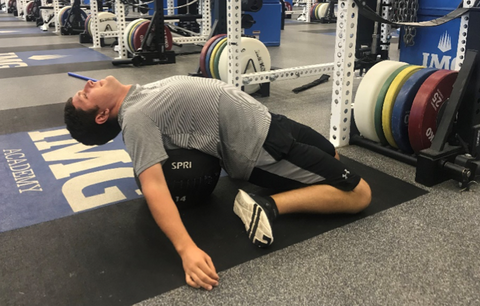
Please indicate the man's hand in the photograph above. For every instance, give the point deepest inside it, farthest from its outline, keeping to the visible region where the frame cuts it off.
(199, 269)
(198, 266)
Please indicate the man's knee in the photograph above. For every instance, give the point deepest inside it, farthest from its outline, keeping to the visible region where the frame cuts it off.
(363, 196)
(337, 156)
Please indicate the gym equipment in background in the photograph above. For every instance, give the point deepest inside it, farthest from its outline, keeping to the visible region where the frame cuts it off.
(214, 60)
(154, 47)
(429, 118)
(107, 21)
(72, 19)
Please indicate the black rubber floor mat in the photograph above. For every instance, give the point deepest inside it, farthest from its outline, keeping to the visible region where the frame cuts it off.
(116, 255)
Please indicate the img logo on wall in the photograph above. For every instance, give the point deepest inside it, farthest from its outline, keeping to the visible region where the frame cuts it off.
(47, 175)
(435, 47)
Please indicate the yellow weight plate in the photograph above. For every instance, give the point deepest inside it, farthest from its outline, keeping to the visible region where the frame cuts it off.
(217, 59)
(379, 104)
(316, 11)
(212, 57)
(131, 35)
(390, 98)
(127, 32)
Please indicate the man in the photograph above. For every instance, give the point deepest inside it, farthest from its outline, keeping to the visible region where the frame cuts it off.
(218, 119)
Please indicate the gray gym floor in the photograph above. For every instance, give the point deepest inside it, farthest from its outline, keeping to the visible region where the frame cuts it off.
(423, 252)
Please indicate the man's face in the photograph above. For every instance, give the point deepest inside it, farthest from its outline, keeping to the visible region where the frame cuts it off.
(96, 94)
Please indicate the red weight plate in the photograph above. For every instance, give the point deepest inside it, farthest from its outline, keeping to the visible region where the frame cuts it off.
(29, 7)
(87, 32)
(168, 39)
(140, 32)
(208, 56)
(139, 35)
(422, 122)
(203, 54)
(133, 30)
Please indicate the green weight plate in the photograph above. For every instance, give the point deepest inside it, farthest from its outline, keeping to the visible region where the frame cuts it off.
(390, 98)
(209, 55)
(217, 59)
(212, 58)
(203, 53)
(131, 35)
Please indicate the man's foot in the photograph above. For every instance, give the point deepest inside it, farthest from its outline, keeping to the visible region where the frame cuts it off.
(253, 214)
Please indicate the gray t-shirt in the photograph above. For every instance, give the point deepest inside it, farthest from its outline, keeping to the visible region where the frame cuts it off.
(194, 113)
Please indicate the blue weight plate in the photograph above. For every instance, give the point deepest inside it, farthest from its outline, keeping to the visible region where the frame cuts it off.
(312, 11)
(65, 15)
(83, 16)
(203, 53)
(209, 54)
(402, 106)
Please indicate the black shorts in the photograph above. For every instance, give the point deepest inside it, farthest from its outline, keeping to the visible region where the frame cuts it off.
(294, 156)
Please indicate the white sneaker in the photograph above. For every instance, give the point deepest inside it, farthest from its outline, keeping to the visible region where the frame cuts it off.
(254, 217)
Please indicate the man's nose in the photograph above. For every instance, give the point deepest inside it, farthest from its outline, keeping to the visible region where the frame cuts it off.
(88, 85)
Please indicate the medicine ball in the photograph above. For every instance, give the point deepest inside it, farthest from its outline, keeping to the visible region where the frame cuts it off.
(191, 176)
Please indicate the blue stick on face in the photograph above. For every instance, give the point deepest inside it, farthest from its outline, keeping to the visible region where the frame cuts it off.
(81, 77)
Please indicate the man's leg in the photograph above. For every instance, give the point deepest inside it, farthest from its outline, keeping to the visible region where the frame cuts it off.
(317, 182)
(323, 199)
(298, 159)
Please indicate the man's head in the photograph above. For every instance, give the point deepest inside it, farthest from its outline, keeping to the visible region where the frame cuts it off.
(91, 114)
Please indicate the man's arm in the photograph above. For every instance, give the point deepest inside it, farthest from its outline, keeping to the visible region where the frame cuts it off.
(199, 269)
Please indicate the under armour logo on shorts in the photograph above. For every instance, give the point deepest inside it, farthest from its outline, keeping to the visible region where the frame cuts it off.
(345, 176)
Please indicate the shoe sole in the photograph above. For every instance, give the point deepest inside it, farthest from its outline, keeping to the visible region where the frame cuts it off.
(256, 221)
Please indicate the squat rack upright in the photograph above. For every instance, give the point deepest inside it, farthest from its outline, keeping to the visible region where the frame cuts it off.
(343, 66)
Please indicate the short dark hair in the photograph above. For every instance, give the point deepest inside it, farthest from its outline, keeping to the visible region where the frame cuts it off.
(83, 128)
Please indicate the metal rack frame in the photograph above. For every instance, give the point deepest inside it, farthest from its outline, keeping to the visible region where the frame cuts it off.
(342, 67)
(462, 37)
(21, 9)
(205, 23)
